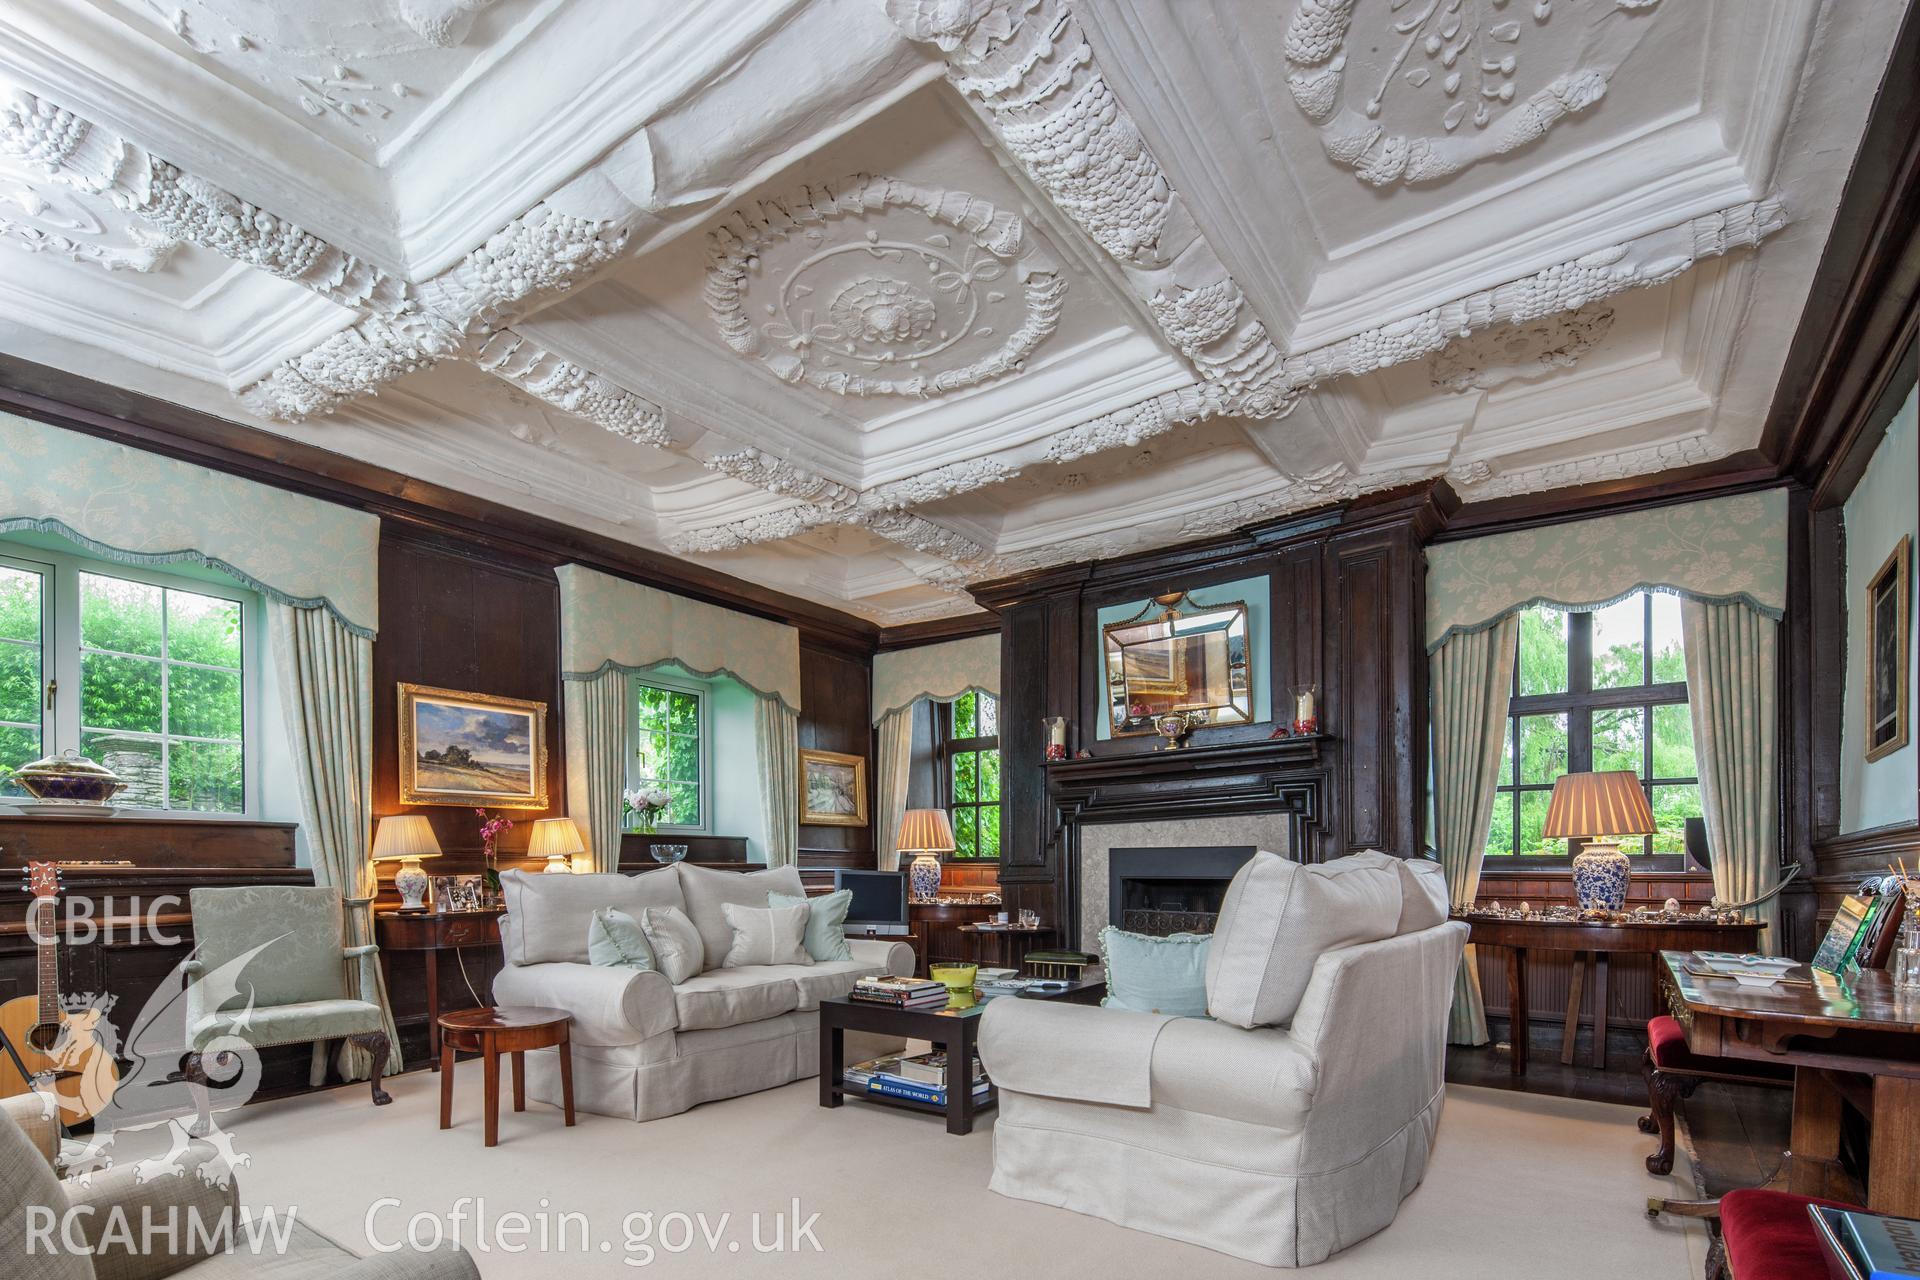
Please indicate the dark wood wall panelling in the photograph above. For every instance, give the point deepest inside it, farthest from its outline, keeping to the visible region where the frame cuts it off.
(836, 690)
(1345, 611)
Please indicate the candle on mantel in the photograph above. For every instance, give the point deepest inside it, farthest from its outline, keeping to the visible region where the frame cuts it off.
(1303, 705)
(1056, 737)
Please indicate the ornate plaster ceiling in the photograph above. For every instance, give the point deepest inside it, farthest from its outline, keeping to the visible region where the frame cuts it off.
(867, 299)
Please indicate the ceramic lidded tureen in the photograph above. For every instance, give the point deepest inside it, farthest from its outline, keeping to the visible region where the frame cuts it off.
(69, 778)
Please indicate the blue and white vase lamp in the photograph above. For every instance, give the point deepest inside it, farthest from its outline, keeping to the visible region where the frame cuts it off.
(1598, 809)
(926, 834)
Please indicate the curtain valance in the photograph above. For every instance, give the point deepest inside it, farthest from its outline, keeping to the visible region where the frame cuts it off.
(135, 507)
(1717, 551)
(610, 622)
(939, 671)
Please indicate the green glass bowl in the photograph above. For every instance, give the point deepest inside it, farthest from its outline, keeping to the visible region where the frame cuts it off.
(958, 980)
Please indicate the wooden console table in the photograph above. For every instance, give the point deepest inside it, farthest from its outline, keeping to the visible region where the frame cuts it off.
(1603, 939)
(1849, 1040)
(430, 934)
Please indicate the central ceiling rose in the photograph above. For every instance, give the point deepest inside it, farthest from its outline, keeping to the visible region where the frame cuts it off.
(875, 286)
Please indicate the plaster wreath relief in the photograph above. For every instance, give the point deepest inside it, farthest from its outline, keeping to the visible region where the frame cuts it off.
(1455, 66)
(876, 286)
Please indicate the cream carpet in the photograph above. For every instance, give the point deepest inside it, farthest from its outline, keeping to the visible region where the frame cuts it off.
(1520, 1185)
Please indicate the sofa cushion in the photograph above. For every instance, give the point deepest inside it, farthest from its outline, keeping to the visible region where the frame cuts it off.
(1423, 895)
(615, 938)
(765, 935)
(826, 922)
(706, 890)
(1156, 975)
(677, 949)
(825, 979)
(729, 997)
(1276, 920)
(546, 920)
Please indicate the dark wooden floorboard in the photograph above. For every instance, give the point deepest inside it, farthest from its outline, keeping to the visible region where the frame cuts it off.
(1737, 1131)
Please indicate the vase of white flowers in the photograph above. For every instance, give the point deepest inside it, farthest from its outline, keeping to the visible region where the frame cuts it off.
(644, 807)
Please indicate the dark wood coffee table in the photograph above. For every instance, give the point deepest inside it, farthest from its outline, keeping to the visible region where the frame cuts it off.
(509, 1029)
(955, 1030)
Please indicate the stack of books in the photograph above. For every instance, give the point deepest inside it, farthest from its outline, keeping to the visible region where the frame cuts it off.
(920, 1078)
(901, 993)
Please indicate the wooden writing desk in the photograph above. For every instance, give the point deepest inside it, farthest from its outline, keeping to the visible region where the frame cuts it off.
(1602, 938)
(1854, 1039)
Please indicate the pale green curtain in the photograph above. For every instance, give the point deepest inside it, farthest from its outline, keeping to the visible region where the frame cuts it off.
(325, 673)
(776, 733)
(890, 780)
(597, 761)
(1471, 680)
(1732, 695)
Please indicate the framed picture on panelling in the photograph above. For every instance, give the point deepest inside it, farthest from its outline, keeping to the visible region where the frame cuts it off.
(472, 749)
(1889, 651)
(833, 789)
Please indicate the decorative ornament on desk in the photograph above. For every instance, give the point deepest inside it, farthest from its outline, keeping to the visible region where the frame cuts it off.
(1596, 808)
(1173, 727)
(1306, 711)
(1056, 737)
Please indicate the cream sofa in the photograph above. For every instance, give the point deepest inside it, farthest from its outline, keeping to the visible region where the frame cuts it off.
(644, 1048)
(1281, 1144)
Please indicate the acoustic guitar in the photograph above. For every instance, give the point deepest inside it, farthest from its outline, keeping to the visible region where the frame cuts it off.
(42, 1046)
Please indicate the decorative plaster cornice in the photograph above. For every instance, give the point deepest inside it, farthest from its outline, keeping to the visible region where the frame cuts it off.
(564, 385)
(1493, 357)
(1030, 71)
(1478, 481)
(188, 208)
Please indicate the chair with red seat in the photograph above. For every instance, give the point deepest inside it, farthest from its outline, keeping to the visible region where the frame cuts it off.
(1768, 1235)
(1673, 1071)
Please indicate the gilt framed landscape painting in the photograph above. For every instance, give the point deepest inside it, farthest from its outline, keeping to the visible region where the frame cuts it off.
(472, 749)
(833, 789)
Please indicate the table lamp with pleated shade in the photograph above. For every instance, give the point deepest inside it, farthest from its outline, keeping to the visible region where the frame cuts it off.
(1597, 808)
(406, 838)
(926, 834)
(556, 840)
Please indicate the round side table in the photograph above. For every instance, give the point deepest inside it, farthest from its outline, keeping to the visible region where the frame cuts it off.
(509, 1029)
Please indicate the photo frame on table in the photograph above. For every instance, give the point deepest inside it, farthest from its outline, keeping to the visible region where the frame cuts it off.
(475, 750)
(833, 789)
(450, 894)
(1889, 652)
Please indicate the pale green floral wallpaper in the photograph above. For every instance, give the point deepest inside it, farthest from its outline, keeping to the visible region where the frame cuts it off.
(1721, 549)
(607, 621)
(939, 671)
(141, 508)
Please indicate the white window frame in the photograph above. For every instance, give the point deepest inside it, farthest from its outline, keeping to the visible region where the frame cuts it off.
(703, 694)
(60, 648)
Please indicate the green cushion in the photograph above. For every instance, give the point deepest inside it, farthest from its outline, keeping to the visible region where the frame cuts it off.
(615, 938)
(826, 922)
(1156, 975)
(288, 1023)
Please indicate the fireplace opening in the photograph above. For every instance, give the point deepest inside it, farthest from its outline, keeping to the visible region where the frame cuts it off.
(1172, 890)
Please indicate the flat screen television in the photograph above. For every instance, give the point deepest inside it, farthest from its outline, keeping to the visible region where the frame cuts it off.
(879, 900)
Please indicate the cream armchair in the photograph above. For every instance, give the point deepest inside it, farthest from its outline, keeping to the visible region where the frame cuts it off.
(1282, 1143)
(34, 1206)
(292, 989)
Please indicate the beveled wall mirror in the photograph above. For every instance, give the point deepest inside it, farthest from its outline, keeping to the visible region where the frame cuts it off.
(1178, 657)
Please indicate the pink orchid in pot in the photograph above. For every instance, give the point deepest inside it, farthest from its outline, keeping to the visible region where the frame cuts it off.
(491, 829)
(644, 807)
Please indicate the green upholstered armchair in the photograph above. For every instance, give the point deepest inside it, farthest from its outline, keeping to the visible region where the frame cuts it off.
(294, 990)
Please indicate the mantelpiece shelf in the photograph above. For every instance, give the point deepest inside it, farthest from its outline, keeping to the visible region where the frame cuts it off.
(1300, 751)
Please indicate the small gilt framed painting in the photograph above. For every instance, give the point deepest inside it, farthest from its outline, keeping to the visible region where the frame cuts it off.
(1889, 655)
(472, 749)
(833, 789)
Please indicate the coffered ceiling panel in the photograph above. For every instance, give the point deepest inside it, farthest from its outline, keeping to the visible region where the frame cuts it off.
(869, 299)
